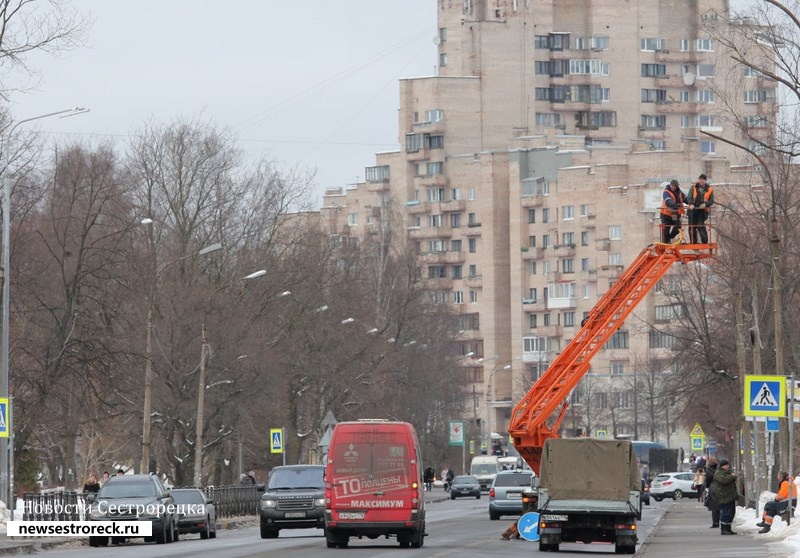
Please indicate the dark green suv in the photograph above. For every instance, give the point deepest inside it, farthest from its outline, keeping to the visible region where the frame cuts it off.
(294, 498)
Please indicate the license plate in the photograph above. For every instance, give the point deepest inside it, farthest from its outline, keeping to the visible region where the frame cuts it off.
(514, 495)
(547, 517)
(351, 515)
(295, 515)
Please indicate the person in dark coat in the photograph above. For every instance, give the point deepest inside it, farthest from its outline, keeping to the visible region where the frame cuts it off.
(700, 199)
(427, 477)
(91, 485)
(725, 495)
(672, 202)
(710, 503)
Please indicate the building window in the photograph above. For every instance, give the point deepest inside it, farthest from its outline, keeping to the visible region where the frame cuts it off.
(755, 96)
(654, 122)
(584, 264)
(568, 212)
(435, 115)
(618, 341)
(617, 368)
(654, 70)
(455, 194)
(471, 194)
(413, 143)
(443, 59)
(432, 169)
(568, 265)
(472, 220)
(437, 272)
(455, 245)
(532, 319)
(651, 45)
(707, 146)
(545, 241)
(660, 340)
(668, 312)
(435, 194)
(569, 319)
(584, 238)
(706, 70)
(531, 216)
(473, 297)
(568, 238)
(455, 220)
(654, 95)
(704, 45)
(585, 210)
(531, 267)
(615, 232)
(532, 241)
(435, 246)
(706, 96)
(598, 42)
(547, 266)
(532, 294)
(458, 271)
(615, 259)
(458, 297)
(757, 121)
(586, 294)
(546, 319)
(435, 221)
(545, 215)
(473, 270)
(752, 72)
(377, 174)
(352, 219)
(433, 142)
(591, 67)
(684, 45)
(706, 121)
(473, 245)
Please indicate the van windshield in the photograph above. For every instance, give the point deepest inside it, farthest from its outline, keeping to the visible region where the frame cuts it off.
(484, 469)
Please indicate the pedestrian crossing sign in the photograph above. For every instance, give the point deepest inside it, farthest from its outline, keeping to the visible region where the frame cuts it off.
(764, 396)
(3, 417)
(697, 443)
(276, 440)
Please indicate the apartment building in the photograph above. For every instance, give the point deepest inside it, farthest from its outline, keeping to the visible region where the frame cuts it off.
(530, 173)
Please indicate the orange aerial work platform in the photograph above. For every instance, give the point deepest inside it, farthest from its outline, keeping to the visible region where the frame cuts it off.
(538, 415)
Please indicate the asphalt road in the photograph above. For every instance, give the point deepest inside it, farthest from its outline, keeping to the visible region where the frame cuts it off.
(456, 528)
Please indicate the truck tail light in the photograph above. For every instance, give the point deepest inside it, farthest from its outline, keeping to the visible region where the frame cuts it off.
(491, 493)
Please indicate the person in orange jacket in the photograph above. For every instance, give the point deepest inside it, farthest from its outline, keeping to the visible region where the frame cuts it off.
(672, 202)
(700, 200)
(787, 491)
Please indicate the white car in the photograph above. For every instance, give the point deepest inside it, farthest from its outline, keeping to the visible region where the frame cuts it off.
(673, 485)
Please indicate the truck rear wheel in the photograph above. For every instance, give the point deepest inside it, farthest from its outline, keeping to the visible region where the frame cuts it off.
(625, 549)
(547, 547)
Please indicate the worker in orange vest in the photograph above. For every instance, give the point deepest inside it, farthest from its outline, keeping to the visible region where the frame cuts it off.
(700, 200)
(672, 202)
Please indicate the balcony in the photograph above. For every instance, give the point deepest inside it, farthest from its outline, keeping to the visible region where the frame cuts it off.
(529, 303)
(588, 221)
(474, 281)
(417, 207)
(571, 107)
(676, 108)
(380, 186)
(602, 244)
(564, 250)
(444, 257)
(453, 205)
(419, 233)
(535, 357)
(536, 200)
(554, 276)
(419, 155)
(433, 180)
(532, 253)
(430, 127)
(676, 56)
(554, 303)
(612, 271)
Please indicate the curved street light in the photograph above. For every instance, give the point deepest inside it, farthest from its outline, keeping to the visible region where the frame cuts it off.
(6, 460)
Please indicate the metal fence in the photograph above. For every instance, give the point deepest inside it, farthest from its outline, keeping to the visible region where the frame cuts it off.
(234, 501)
(69, 505)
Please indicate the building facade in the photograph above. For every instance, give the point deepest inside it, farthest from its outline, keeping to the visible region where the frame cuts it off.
(530, 174)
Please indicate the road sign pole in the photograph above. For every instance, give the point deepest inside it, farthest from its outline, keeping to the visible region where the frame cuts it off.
(790, 422)
(283, 445)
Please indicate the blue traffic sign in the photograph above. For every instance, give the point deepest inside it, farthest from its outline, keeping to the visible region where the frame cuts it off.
(276, 440)
(528, 526)
(773, 425)
(765, 396)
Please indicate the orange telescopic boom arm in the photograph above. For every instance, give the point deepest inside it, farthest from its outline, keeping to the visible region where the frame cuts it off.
(538, 415)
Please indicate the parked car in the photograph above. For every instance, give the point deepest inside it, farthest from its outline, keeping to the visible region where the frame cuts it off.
(644, 495)
(673, 485)
(126, 497)
(294, 498)
(196, 512)
(465, 485)
(505, 495)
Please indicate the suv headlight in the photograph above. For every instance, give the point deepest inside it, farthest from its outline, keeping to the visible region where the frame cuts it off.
(96, 512)
(268, 504)
(319, 503)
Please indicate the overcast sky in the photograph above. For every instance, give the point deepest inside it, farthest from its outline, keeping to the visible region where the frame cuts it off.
(311, 83)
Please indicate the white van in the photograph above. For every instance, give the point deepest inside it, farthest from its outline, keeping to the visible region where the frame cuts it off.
(485, 467)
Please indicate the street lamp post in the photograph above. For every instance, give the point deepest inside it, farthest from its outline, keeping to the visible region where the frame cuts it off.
(6, 468)
(144, 463)
(201, 384)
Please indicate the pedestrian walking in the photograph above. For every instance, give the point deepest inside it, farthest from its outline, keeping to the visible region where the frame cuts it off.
(726, 496)
(699, 200)
(672, 202)
(427, 477)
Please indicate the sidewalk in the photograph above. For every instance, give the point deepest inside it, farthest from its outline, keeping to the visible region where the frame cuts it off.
(32, 545)
(684, 531)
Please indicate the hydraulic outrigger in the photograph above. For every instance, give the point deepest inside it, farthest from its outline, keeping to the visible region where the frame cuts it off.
(538, 415)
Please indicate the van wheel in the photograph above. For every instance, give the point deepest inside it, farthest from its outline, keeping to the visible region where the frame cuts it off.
(334, 540)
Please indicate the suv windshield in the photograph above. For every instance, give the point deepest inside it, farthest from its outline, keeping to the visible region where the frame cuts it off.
(128, 490)
(484, 469)
(515, 479)
(296, 477)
